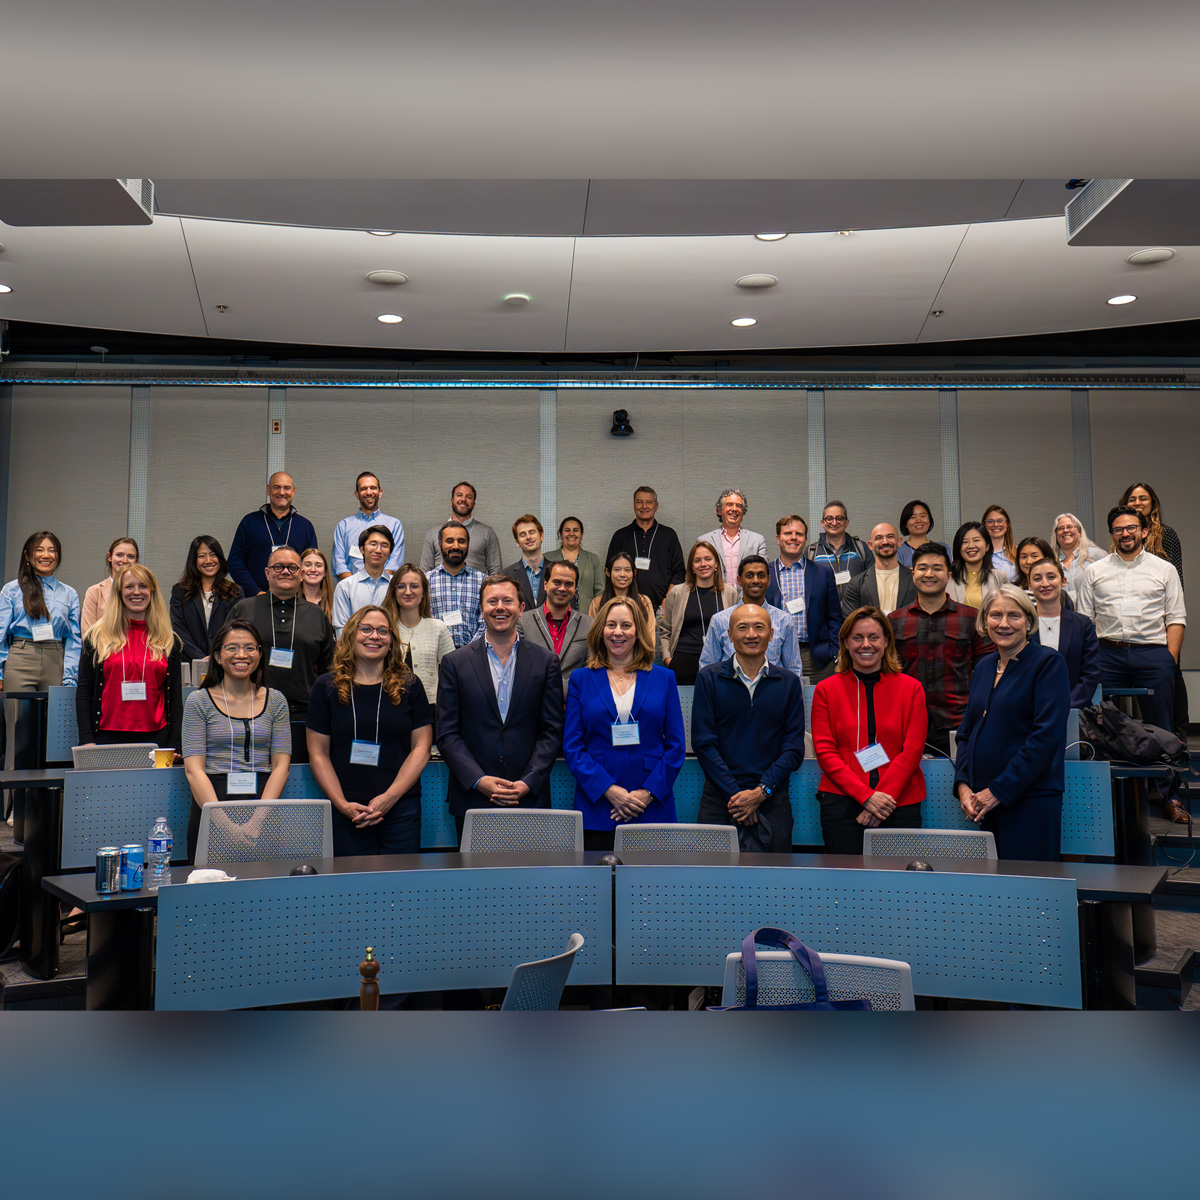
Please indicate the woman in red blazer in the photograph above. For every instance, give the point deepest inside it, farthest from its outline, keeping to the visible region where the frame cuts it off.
(868, 730)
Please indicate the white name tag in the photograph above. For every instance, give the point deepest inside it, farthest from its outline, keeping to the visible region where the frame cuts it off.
(241, 783)
(1131, 606)
(872, 757)
(642, 564)
(133, 691)
(365, 754)
(281, 657)
(453, 617)
(796, 606)
(626, 735)
(354, 551)
(841, 578)
(42, 631)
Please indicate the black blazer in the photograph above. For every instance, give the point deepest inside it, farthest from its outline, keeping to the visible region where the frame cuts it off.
(187, 619)
(516, 572)
(1077, 643)
(864, 589)
(474, 741)
(91, 685)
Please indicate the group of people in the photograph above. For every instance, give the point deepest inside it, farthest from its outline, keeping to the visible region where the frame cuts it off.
(910, 641)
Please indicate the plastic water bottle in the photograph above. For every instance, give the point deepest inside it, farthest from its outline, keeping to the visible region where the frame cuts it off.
(158, 854)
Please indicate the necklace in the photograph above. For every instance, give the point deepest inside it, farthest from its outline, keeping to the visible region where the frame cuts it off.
(620, 680)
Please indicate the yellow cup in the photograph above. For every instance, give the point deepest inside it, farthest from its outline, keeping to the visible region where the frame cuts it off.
(164, 758)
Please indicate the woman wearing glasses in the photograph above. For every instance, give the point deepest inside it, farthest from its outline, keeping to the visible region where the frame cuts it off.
(424, 640)
(237, 740)
(370, 730)
(843, 553)
(1075, 550)
(1000, 537)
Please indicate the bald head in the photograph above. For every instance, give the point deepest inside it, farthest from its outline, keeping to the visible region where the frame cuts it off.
(750, 631)
(281, 489)
(884, 541)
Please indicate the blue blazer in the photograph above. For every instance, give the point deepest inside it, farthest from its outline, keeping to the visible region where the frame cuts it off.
(474, 741)
(597, 764)
(1078, 644)
(822, 609)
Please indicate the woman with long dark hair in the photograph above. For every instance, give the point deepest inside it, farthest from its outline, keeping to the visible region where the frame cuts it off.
(620, 583)
(121, 553)
(203, 598)
(1161, 539)
(366, 755)
(971, 574)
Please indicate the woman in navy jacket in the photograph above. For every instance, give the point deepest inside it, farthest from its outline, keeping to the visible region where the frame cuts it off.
(1009, 768)
(623, 738)
(1070, 633)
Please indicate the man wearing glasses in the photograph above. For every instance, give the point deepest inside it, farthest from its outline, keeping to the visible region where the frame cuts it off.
(1136, 601)
(296, 634)
(844, 554)
(368, 585)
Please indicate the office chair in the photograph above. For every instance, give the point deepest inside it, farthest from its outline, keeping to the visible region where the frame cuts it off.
(538, 986)
(516, 830)
(676, 839)
(886, 982)
(288, 829)
(930, 843)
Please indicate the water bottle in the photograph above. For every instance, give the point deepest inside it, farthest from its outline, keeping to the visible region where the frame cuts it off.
(158, 854)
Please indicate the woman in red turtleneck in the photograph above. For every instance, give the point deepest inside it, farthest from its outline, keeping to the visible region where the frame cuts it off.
(129, 674)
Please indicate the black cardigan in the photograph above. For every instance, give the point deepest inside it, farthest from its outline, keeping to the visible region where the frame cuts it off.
(91, 684)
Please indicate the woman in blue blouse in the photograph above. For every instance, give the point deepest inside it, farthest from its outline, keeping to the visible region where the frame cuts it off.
(623, 738)
(39, 626)
(1008, 772)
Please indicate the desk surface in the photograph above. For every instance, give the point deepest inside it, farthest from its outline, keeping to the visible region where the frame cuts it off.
(1095, 881)
(48, 777)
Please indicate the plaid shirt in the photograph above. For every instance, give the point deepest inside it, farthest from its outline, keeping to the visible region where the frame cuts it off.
(940, 651)
(460, 592)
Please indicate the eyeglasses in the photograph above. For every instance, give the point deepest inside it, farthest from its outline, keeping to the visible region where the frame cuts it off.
(995, 522)
(374, 631)
(235, 651)
(285, 569)
(1117, 529)
(832, 520)
(408, 587)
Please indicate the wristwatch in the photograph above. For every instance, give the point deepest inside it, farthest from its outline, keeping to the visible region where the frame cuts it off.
(766, 790)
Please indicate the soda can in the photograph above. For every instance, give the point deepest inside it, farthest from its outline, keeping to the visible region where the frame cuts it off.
(108, 869)
(133, 864)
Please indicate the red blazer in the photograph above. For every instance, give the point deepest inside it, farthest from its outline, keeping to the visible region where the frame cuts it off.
(900, 722)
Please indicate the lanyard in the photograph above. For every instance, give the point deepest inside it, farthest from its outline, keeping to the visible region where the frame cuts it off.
(289, 528)
(354, 710)
(638, 529)
(249, 732)
(706, 621)
(292, 642)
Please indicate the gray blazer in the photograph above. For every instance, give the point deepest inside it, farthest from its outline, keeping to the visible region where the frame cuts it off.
(752, 543)
(591, 576)
(864, 589)
(532, 624)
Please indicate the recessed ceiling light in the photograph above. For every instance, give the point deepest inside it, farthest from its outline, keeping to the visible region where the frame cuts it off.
(770, 237)
(1125, 299)
(845, 232)
(517, 299)
(389, 318)
(1144, 258)
(757, 281)
(381, 232)
(742, 322)
(5, 288)
(387, 277)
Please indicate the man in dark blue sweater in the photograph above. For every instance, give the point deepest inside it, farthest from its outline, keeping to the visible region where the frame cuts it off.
(748, 733)
(277, 523)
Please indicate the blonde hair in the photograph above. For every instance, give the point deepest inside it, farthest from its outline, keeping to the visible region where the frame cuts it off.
(890, 665)
(1085, 543)
(643, 650)
(109, 635)
(325, 604)
(689, 575)
(396, 672)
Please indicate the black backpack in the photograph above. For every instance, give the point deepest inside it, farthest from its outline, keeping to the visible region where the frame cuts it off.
(1119, 738)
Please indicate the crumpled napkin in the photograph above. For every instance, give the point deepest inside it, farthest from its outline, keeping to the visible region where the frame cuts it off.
(209, 875)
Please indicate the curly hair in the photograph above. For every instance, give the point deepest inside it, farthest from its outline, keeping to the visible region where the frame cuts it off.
(396, 672)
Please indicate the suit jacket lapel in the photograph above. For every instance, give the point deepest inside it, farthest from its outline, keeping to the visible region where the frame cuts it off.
(520, 677)
(606, 697)
(483, 673)
(198, 601)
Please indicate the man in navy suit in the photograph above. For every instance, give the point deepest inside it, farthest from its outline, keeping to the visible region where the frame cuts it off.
(807, 591)
(499, 711)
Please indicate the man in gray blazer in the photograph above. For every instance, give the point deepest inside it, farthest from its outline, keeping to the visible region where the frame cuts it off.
(556, 625)
(885, 584)
(733, 543)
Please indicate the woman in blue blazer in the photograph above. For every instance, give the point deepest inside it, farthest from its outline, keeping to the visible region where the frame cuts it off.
(1008, 772)
(1070, 633)
(623, 738)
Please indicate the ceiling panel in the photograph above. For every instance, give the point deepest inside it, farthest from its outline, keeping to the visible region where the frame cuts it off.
(1021, 277)
(119, 277)
(631, 294)
(308, 285)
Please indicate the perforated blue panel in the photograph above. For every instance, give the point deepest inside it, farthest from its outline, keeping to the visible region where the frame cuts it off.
(562, 786)
(113, 808)
(985, 937)
(62, 730)
(291, 939)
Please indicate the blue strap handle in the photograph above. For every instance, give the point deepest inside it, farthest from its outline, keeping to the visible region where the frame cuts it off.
(809, 959)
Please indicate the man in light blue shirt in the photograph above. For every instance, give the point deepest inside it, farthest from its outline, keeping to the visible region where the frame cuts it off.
(754, 577)
(347, 554)
(368, 586)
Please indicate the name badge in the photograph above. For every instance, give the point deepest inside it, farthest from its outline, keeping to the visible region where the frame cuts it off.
(280, 657)
(841, 578)
(871, 757)
(626, 735)
(642, 564)
(1131, 606)
(796, 606)
(453, 617)
(42, 631)
(366, 754)
(133, 691)
(354, 551)
(241, 783)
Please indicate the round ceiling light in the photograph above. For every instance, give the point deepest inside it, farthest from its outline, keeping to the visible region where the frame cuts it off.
(757, 281)
(743, 322)
(517, 299)
(391, 278)
(1124, 299)
(381, 232)
(5, 288)
(1144, 258)
(389, 318)
(770, 237)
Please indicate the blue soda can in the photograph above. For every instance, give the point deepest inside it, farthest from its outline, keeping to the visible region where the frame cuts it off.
(108, 869)
(133, 864)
